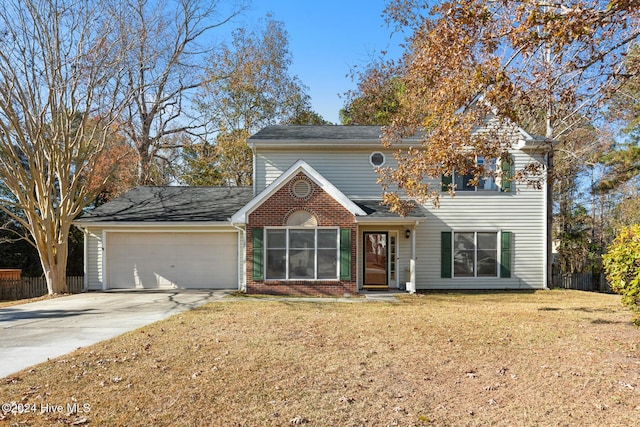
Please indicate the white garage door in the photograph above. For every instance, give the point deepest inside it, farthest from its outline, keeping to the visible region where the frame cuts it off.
(169, 260)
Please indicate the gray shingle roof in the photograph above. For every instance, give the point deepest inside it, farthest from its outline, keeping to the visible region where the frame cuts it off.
(175, 204)
(375, 209)
(324, 132)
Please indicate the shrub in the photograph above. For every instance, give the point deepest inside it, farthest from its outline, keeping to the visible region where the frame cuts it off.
(622, 267)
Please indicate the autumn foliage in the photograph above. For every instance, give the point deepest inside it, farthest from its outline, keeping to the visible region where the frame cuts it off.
(550, 66)
(115, 171)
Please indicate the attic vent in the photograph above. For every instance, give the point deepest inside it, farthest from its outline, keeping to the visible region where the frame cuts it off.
(302, 219)
(376, 159)
(301, 188)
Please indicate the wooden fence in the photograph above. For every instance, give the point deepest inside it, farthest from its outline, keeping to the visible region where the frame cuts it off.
(581, 281)
(32, 287)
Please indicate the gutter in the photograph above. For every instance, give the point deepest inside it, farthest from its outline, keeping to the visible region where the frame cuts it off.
(144, 224)
(389, 221)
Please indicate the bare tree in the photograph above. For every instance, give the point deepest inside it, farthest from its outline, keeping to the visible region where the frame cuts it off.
(164, 45)
(249, 86)
(58, 77)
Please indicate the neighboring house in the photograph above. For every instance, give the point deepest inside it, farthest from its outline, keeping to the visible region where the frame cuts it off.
(313, 224)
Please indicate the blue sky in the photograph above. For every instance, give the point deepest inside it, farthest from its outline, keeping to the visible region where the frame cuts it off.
(326, 39)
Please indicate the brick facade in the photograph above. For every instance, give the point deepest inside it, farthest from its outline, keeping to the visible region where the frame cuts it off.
(275, 211)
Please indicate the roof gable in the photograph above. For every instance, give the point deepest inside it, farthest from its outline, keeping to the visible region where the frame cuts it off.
(240, 217)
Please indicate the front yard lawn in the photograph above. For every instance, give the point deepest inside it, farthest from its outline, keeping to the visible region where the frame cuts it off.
(439, 359)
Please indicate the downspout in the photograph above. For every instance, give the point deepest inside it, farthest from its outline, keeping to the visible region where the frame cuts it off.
(242, 248)
(548, 223)
(254, 161)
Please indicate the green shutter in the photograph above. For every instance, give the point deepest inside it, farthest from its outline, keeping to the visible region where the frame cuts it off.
(505, 182)
(258, 254)
(445, 254)
(345, 254)
(505, 254)
(446, 181)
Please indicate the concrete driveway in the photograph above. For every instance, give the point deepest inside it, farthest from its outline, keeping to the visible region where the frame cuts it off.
(32, 333)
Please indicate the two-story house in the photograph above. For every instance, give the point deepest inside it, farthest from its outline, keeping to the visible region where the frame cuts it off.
(313, 224)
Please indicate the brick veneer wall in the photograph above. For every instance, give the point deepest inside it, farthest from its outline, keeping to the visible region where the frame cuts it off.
(274, 212)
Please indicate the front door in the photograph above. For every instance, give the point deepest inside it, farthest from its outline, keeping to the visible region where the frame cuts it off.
(376, 250)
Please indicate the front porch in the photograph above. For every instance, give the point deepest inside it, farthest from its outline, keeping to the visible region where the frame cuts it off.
(386, 255)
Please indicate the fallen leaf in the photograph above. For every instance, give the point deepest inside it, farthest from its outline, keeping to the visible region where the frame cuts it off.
(298, 420)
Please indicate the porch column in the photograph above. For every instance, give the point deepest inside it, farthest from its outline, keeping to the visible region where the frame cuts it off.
(412, 262)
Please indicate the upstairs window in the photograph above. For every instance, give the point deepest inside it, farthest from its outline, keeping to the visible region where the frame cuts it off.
(485, 183)
(492, 181)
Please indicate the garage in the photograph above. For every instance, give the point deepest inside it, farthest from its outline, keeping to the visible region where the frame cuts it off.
(163, 260)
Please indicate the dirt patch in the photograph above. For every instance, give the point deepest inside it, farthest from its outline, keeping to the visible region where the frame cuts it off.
(543, 358)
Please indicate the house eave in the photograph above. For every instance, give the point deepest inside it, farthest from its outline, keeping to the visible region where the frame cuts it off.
(152, 224)
(344, 144)
(390, 221)
(340, 145)
(535, 145)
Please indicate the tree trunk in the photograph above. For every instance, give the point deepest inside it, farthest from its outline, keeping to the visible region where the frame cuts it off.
(53, 248)
(144, 162)
(56, 277)
(55, 268)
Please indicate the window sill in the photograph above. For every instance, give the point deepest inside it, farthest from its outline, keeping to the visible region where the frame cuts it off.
(483, 192)
(301, 281)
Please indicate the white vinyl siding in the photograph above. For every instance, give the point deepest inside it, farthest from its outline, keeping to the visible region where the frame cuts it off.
(93, 261)
(349, 170)
(520, 211)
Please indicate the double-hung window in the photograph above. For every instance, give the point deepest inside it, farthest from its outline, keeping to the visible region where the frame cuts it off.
(493, 180)
(485, 183)
(302, 253)
(476, 254)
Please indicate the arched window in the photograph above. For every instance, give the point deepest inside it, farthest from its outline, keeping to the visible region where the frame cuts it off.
(302, 219)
